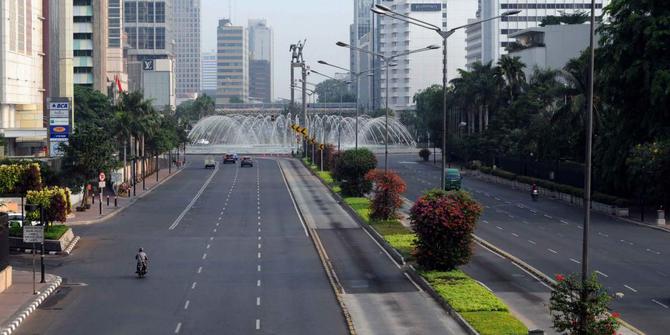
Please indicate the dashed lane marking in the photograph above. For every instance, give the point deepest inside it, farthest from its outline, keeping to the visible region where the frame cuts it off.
(193, 285)
(200, 269)
(603, 234)
(258, 283)
(660, 304)
(553, 251)
(186, 304)
(630, 288)
(259, 268)
(515, 235)
(258, 324)
(258, 301)
(204, 256)
(176, 330)
(575, 261)
(532, 242)
(499, 227)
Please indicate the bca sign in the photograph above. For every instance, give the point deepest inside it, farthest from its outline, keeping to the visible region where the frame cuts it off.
(148, 65)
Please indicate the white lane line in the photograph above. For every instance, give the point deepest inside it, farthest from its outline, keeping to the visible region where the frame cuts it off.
(218, 224)
(565, 222)
(484, 221)
(533, 211)
(186, 304)
(176, 330)
(259, 230)
(496, 198)
(259, 223)
(548, 216)
(259, 245)
(575, 261)
(531, 242)
(580, 227)
(515, 235)
(603, 234)
(194, 284)
(258, 283)
(204, 256)
(259, 268)
(208, 246)
(630, 288)
(258, 301)
(660, 304)
(533, 276)
(553, 251)
(211, 238)
(295, 206)
(511, 216)
(499, 227)
(525, 222)
(223, 210)
(258, 324)
(653, 251)
(602, 274)
(200, 269)
(412, 281)
(190, 205)
(259, 255)
(220, 217)
(627, 242)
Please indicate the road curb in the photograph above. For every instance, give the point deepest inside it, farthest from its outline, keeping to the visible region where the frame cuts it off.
(132, 202)
(29, 308)
(73, 243)
(325, 260)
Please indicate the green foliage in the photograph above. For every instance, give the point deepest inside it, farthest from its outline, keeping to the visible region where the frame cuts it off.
(53, 232)
(424, 154)
(649, 165)
(444, 223)
(567, 308)
(54, 201)
(194, 110)
(19, 177)
(387, 187)
(495, 323)
(350, 170)
(361, 206)
(564, 18)
(92, 107)
(88, 152)
(332, 90)
(399, 237)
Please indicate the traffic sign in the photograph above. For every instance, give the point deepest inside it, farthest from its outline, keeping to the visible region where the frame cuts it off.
(101, 176)
(33, 234)
(321, 147)
(102, 184)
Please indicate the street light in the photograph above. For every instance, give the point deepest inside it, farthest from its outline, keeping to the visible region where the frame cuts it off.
(387, 63)
(386, 11)
(339, 126)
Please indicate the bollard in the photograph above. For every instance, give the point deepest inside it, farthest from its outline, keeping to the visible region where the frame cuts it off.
(100, 206)
(93, 199)
(116, 202)
(107, 201)
(660, 221)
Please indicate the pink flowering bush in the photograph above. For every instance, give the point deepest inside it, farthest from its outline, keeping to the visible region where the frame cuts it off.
(387, 187)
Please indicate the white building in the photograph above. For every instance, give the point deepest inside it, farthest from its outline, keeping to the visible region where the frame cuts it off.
(421, 70)
(208, 72)
(495, 35)
(116, 61)
(187, 47)
(90, 34)
(232, 63)
(261, 66)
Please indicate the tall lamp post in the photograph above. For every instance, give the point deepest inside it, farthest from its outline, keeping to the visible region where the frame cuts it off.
(386, 11)
(387, 61)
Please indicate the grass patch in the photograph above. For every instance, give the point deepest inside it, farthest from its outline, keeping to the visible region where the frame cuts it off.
(397, 236)
(495, 323)
(53, 232)
(361, 206)
(326, 176)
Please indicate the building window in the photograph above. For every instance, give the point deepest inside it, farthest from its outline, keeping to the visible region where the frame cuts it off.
(83, 53)
(145, 12)
(160, 12)
(160, 38)
(130, 11)
(132, 37)
(145, 38)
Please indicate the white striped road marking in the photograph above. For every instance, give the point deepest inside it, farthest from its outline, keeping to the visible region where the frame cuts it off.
(211, 238)
(259, 268)
(580, 227)
(259, 230)
(259, 245)
(630, 288)
(515, 235)
(511, 216)
(627, 242)
(259, 255)
(208, 246)
(496, 198)
(258, 283)
(259, 238)
(531, 242)
(186, 304)
(215, 230)
(176, 330)
(484, 221)
(553, 251)
(548, 216)
(218, 224)
(195, 198)
(200, 269)
(603, 234)
(653, 251)
(258, 301)
(565, 222)
(575, 261)
(533, 211)
(499, 227)
(204, 256)
(602, 274)
(194, 284)
(525, 222)
(659, 303)
(258, 324)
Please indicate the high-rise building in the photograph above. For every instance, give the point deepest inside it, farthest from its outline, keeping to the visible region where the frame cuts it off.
(90, 37)
(117, 72)
(495, 35)
(149, 28)
(208, 73)
(261, 51)
(232, 63)
(361, 37)
(421, 70)
(187, 47)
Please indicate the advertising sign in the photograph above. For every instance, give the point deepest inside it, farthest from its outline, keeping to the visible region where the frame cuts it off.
(59, 131)
(148, 65)
(426, 7)
(59, 121)
(59, 113)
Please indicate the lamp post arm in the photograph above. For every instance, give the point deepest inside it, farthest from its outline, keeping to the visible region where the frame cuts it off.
(409, 19)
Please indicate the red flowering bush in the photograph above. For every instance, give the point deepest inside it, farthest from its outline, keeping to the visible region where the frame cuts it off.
(566, 307)
(387, 187)
(444, 222)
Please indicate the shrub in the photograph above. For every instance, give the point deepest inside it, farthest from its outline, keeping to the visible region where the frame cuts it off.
(351, 168)
(424, 153)
(444, 222)
(387, 187)
(54, 200)
(566, 308)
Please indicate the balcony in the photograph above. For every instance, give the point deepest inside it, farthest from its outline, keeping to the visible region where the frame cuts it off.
(83, 27)
(84, 61)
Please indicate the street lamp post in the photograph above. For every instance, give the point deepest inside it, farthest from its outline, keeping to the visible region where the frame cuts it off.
(339, 126)
(444, 34)
(387, 63)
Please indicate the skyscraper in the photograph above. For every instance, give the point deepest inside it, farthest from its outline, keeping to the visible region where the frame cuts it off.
(90, 43)
(208, 73)
(494, 35)
(187, 47)
(232, 63)
(116, 61)
(261, 51)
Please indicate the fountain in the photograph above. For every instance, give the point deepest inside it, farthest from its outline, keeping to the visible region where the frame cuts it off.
(263, 134)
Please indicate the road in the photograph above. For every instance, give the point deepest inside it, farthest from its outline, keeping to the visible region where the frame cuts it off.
(547, 234)
(228, 254)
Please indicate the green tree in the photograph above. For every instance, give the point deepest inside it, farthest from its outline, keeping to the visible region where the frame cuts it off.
(92, 107)
(236, 100)
(564, 18)
(89, 151)
(332, 90)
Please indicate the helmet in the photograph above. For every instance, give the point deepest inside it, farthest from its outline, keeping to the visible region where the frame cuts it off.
(141, 249)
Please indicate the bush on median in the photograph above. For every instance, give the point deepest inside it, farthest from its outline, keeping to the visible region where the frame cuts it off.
(350, 170)
(387, 187)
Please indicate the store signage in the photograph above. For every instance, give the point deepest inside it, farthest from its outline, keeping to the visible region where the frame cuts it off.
(426, 7)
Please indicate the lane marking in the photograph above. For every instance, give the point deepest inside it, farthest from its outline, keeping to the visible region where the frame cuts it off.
(186, 304)
(259, 255)
(484, 221)
(659, 303)
(525, 222)
(259, 230)
(258, 324)
(176, 330)
(259, 238)
(653, 251)
(548, 216)
(258, 283)
(208, 246)
(258, 301)
(215, 230)
(533, 276)
(531, 242)
(565, 222)
(553, 251)
(295, 206)
(580, 227)
(533, 211)
(602, 274)
(603, 234)
(211, 238)
(259, 268)
(412, 281)
(197, 196)
(575, 261)
(259, 245)
(515, 235)
(200, 269)
(194, 284)
(499, 227)
(204, 256)
(630, 288)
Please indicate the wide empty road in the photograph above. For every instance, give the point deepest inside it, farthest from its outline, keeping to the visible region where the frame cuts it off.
(547, 234)
(228, 255)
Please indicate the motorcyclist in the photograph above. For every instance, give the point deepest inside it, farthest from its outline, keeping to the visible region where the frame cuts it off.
(534, 192)
(142, 260)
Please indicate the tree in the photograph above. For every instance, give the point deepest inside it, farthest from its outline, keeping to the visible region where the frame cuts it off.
(387, 187)
(92, 107)
(444, 223)
(564, 18)
(350, 170)
(89, 151)
(332, 90)
(236, 100)
(511, 70)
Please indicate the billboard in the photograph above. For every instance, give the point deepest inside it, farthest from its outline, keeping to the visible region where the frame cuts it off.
(426, 7)
(60, 123)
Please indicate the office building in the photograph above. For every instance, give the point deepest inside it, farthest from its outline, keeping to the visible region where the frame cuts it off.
(496, 34)
(117, 72)
(90, 35)
(232, 63)
(421, 70)
(361, 36)
(187, 47)
(149, 29)
(208, 73)
(261, 51)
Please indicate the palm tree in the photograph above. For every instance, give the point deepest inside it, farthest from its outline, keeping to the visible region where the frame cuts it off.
(141, 118)
(511, 71)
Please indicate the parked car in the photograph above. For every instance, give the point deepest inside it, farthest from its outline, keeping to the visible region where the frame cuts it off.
(228, 158)
(210, 163)
(453, 180)
(247, 161)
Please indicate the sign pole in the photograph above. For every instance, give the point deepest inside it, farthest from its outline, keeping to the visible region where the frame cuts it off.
(34, 277)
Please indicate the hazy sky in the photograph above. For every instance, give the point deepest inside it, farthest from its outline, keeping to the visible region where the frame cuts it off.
(321, 22)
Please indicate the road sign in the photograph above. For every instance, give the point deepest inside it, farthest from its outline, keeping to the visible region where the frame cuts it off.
(101, 176)
(102, 184)
(304, 131)
(33, 234)
(321, 147)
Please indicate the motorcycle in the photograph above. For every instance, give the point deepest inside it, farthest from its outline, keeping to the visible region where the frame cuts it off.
(535, 194)
(141, 269)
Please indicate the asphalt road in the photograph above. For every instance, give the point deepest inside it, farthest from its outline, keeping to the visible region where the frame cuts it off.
(547, 234)
(237, 261)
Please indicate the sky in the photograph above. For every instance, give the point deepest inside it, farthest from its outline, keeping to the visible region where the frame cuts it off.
(321, 22)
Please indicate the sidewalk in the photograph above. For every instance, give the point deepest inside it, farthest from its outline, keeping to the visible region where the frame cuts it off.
(92, 215)
(17, 302)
